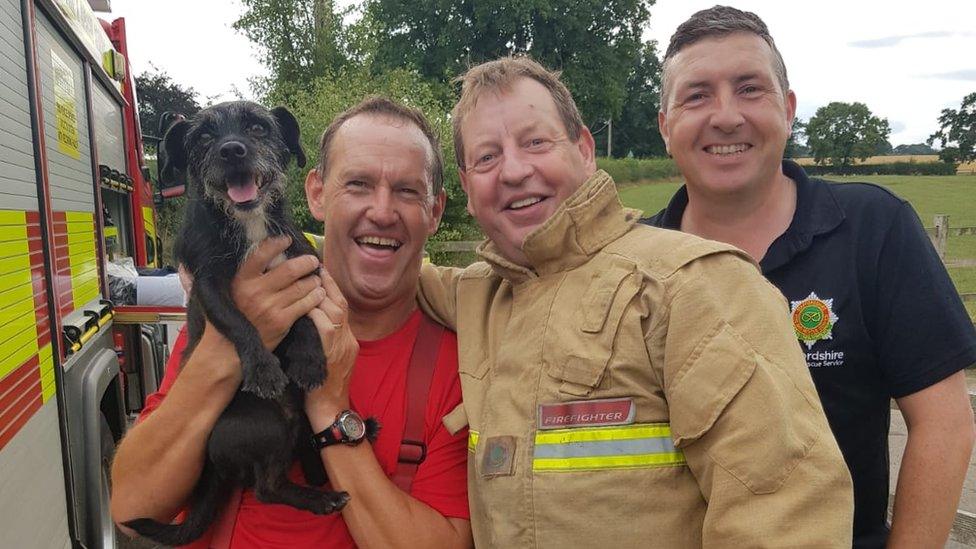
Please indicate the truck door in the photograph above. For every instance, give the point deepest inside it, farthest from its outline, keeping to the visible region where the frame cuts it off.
(89, 364)
(33, 509)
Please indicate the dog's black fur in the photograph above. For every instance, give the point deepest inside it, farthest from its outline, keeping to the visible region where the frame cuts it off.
(223, 153)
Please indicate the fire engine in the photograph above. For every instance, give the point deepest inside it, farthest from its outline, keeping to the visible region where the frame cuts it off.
(74, 190)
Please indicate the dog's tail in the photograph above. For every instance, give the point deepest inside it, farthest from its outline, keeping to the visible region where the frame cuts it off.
(208, 499)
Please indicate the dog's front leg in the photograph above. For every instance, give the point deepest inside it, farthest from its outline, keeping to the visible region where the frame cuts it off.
(259, 367)
(301, 355)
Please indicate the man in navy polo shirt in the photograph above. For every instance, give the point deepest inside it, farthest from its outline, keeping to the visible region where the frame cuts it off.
(871, 302)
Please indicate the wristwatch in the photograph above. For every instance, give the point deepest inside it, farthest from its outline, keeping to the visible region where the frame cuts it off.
(348, 428)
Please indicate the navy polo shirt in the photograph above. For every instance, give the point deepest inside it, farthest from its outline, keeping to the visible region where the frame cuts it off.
(874, 311)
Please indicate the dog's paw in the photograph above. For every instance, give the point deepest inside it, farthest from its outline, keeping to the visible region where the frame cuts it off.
(330, 502)
(307, 371)
(265, 378)
(372, 429)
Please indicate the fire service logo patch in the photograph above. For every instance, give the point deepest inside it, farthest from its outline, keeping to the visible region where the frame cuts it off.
(813, 319)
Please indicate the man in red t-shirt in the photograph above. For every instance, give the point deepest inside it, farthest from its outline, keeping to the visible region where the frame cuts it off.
(378, 189)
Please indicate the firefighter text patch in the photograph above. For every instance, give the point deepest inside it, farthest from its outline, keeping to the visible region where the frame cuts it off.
(586, 413)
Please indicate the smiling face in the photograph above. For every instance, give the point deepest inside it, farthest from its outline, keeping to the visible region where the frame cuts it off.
(520, 163)
(727, 120)
(375, 199)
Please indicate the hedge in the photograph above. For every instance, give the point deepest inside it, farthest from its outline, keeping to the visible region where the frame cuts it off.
(632, 170)
(891, 168)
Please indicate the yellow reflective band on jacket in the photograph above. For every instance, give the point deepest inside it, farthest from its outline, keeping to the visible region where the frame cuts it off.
(618, 447)
(472, 440)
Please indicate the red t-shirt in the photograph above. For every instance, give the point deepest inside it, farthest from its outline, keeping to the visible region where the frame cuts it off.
(377, 389)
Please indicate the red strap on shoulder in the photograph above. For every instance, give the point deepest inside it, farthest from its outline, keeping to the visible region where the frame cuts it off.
(420, 372)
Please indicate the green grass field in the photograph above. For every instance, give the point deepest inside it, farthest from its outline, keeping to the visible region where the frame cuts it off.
(954, 196)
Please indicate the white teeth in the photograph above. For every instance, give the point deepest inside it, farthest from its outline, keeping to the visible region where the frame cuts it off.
(378, 241)
(525, 202)
(727, 149)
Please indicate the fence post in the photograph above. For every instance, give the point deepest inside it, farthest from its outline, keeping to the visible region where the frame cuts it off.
(941, 234)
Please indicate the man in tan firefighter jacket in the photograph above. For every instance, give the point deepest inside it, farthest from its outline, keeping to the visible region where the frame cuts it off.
(625, 386)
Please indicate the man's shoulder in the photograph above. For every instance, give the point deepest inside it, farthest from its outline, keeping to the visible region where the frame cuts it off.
(661, 253)
(861, 196)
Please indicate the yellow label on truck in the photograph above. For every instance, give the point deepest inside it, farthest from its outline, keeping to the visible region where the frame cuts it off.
(65, 110)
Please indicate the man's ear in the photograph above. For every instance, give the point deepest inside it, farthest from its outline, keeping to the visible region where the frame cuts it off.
(790, 109)
(314, 193)
(437, 212)
(290, 133)
(662, 126)
(172, 155)
(587, 148)
(464, 187)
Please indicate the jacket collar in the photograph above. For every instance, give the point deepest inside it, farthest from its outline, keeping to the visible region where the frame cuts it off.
(817, 212)
(588, 220)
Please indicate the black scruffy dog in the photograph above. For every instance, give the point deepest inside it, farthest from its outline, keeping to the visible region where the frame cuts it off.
(234, 156)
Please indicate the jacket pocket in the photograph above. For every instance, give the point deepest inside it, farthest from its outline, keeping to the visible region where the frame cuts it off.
(580, 335)
(732, 407)
(716, 371)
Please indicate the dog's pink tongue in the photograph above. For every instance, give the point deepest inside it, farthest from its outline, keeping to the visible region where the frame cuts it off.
(243, 193)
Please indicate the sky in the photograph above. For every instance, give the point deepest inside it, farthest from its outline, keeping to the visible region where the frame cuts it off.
(906, 60)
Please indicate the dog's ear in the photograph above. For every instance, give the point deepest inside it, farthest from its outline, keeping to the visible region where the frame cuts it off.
(290, 133)
(172, 154)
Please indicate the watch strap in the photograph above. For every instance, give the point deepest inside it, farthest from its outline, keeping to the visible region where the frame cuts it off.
(330, 436)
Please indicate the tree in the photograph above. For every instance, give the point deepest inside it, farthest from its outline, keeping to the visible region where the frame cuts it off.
(795, 147)
(300, 40)
(157, 94)
(594, 42)
(914, 149)
(842, 132)
(635, 131)
(957, 132)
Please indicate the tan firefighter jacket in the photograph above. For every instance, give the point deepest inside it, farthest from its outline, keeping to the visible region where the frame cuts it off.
(636, 387)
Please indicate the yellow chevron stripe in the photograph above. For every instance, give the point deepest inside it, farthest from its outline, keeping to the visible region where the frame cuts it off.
(79, 217)
(15, 248)
(82, 257)
(472, 440)
(19, 356)
(15, 278)
(48, 387)
(13, 217)
(13, 306)
(14, 232)
(83, 240)
(594, 434)
(15, 319)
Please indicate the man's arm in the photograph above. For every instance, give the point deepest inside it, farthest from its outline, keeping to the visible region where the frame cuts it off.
(159, 461)
(437, 293)
(940, 441)
(378, 514)
(746, 414)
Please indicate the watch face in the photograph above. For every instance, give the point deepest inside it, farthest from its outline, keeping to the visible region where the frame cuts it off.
(352, 426)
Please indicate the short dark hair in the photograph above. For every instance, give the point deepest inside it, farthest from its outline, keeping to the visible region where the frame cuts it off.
(377, 105)
(720, 21)
(500, 75)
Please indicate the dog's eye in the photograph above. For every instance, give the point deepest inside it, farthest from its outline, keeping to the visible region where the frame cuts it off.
(257, 130)
(205, 138)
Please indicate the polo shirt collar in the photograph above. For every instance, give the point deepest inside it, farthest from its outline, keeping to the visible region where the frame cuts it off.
(817, 212)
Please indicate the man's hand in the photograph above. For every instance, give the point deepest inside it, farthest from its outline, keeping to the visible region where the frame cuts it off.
(331, 317)
(272, 300)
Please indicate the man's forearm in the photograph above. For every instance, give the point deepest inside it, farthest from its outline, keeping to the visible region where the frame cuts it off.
(379, 514)
(159, 461)
(929, 483)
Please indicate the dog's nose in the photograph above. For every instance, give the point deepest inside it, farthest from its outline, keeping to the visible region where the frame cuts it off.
(233, 150)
